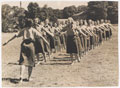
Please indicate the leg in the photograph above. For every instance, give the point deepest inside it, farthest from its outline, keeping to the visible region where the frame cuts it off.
(44, 56)
(49, 52)
(71, 56)
(29, 72)
(37, 55)
(77, 57)
(22, 69)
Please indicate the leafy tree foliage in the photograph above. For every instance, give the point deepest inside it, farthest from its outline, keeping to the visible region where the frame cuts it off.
(6, 9)
(113, 12)
(97, 10)
(33, 9)
(82, 8)
(14, 17)
(103, 10)
(10, 18)
(69, 11)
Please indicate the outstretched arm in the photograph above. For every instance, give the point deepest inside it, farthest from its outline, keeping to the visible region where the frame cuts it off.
(44, 40)
(38, 34)
(79, 29)
(111, 26)
(9, 40)
(51, 34)
(19, 34)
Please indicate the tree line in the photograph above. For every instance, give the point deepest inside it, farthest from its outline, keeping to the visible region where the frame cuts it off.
(13, 17)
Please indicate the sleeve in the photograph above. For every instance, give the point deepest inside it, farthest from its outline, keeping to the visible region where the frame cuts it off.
(20, 33)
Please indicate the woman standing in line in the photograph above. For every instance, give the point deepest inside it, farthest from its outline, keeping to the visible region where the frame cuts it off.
(71, 42)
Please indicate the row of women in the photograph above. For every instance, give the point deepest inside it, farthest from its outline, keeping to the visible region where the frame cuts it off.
(76, 37)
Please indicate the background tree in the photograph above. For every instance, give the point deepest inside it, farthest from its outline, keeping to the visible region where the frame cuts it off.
(14, 17)
(6, 10)
(97, 10)
(33, 9)
(69, 11)
(103, 10)
(82, 8)
(112, 11)
(10, 18)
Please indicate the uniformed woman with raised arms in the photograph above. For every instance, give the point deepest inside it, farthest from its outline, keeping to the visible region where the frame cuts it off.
(27, 54)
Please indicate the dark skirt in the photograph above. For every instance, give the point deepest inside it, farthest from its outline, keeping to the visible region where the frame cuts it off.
(82, 40)
(27, 54)
(91, 40)
(39, 46)
(51, 41)
(100, 36)
(110, 31)
(107, 34)
(61, 39)
(46, 48)
(71, 45)
(103, 34)
(57, 41)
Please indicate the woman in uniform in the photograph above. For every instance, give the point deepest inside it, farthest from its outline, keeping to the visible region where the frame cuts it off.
(57, 38)
(71, 42)
(39, 43)
(49, 35)
(84, 35)
(27, 54)
(80, 40)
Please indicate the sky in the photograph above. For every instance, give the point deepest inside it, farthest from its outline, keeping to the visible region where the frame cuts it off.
(53, 4)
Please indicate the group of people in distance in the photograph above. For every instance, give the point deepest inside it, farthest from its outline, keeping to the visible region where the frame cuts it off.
(76, 37)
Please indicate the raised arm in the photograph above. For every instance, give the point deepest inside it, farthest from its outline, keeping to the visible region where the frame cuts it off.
(79, 29)
(45, 29)
(19, 34)
(9, 40)
(38, 34)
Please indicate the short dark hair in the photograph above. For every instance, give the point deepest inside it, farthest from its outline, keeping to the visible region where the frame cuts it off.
(28, 23)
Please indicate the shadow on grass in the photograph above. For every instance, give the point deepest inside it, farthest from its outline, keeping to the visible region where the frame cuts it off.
(13, 63)
(55, 63)
(61, 59)
(12, 80)
(63, 54)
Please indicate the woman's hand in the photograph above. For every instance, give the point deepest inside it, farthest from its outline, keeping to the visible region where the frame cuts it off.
(5, 44)
(9, 40)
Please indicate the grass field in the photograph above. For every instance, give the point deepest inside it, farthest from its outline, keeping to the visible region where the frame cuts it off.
(98, 68)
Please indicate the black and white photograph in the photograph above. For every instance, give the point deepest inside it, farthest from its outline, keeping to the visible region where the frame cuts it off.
(59, 43)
